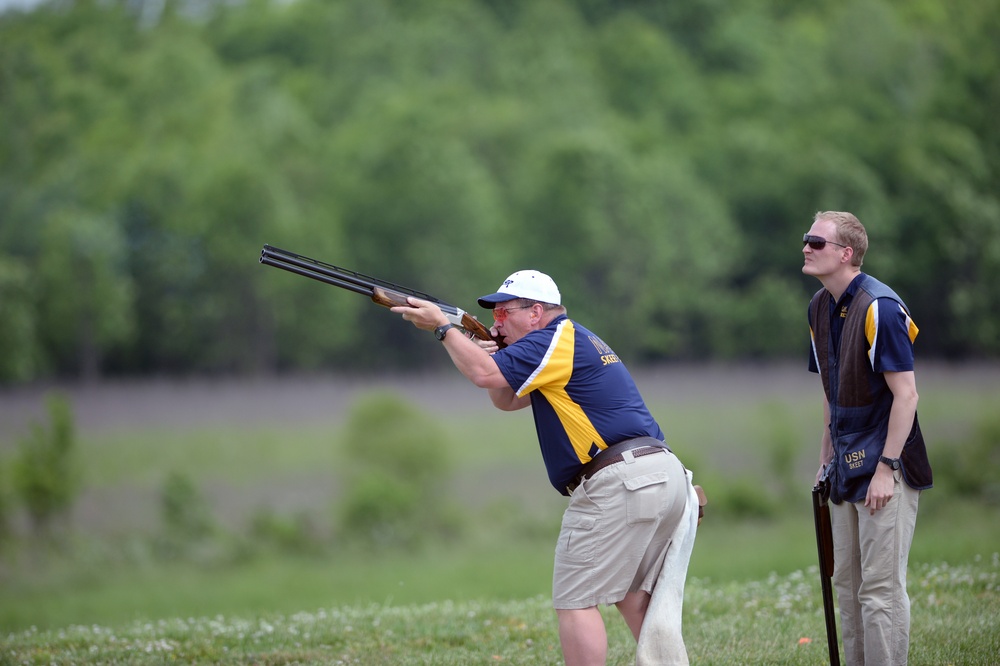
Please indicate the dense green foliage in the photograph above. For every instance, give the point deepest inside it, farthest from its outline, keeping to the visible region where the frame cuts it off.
(659, 160)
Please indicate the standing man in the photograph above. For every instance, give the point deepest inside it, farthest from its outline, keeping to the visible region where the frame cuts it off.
(632, 510)
(871, 450)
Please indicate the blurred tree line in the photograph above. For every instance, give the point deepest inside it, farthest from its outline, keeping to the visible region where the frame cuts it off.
(660, 160)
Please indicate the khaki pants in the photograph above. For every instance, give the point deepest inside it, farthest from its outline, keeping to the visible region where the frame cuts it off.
(870, 558)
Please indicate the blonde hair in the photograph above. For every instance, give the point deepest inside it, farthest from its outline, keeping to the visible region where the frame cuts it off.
(850, 232)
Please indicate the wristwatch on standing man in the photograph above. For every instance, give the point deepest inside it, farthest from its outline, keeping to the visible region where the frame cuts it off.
(891, 462)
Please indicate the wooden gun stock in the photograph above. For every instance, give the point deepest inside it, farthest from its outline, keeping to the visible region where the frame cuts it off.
(824, 545)
(478, 329)
(388, 298)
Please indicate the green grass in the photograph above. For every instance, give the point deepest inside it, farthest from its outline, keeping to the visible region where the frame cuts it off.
(948, 530)
(483, 595)
(777, 620)
(72, 594)
(110, 586)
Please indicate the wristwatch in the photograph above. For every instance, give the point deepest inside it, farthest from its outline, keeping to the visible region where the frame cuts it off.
(891, 462)
(442, 331)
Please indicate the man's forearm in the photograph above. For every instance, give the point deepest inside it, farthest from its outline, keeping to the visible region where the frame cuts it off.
(825, 450)
(904, 410)
(473, 362)
(900, 423)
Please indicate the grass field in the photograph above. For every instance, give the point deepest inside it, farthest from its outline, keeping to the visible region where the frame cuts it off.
(778, 620)
(279, 445)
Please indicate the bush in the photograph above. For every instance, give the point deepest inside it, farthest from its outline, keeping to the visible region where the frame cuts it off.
(46, 477)
(187, 520)
(396, 462)
(4, 508)
(743, 497)
(294, 535)
(783, 446)
(968, 468)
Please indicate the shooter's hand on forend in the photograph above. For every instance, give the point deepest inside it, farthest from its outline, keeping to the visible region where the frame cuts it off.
(422, 314)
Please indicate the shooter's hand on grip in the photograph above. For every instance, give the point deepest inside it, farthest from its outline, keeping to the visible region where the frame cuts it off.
(479, 330)
(427, 316)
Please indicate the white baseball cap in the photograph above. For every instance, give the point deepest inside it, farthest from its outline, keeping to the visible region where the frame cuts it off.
(531, 285)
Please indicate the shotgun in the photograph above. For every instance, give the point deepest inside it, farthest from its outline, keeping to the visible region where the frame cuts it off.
(386, 294)
(824, 543)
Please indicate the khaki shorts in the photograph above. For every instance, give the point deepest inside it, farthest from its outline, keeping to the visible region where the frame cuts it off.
(616, 530)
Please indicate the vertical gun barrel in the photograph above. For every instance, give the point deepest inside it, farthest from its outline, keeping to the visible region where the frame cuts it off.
(824, 545)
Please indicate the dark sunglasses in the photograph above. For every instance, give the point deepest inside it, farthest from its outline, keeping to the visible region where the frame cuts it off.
(818, 242)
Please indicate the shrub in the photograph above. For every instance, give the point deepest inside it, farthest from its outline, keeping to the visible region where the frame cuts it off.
(396, 463)
(295, 535)
(4, 508)
(185, 514)
(46, 477)
(968, 468)
(743, 497)
(783, 446)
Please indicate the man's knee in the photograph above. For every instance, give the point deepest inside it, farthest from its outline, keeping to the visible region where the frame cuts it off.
(633, 610)
(582, 635)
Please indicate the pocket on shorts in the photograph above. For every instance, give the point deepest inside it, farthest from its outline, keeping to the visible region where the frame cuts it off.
(644, 497)
(576, 542)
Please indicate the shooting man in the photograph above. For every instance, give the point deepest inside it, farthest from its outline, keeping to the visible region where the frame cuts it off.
(871, 448)
(629, 527)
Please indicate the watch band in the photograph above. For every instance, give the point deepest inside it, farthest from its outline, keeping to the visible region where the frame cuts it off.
(891, 462)
(441, 331)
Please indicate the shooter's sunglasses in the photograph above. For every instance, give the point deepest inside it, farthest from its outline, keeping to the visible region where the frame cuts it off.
(500, 312)
(818, 242)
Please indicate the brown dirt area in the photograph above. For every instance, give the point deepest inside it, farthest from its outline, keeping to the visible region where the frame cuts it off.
(318, 400)
(129, 404)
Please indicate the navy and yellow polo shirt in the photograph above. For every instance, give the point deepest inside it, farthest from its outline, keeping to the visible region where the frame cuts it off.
(889, 331)
(582, 396)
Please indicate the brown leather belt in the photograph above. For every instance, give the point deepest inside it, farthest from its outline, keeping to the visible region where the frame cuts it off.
(641, 446)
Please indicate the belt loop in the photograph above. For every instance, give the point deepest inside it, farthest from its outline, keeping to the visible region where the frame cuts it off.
(627, 457)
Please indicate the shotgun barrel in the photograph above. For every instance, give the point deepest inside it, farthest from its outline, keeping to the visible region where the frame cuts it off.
(335, 275)
(382, 292)
(824, 544)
